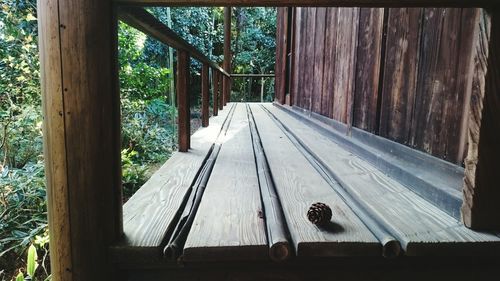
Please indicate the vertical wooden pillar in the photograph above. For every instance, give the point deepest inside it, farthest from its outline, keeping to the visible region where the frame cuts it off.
(220, 79)
(215, 83)
(227, 54)
(204, 95)
(481, 209)
(81, 108)
(184, 118)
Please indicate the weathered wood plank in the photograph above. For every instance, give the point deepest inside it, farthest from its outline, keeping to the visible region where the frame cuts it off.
(406, 215)
(315, 3)
(215, 91)
(308, 54)
(329, 68)
(345, 57)
(150, 214)
(481, 192)
(296, 72)
(298, 186)
(226, 96)
(447, 37)
(371, 23)
(319, 55)
(205, 99)
(280, 75)
(400, 74)
(302, 58)
(229, 223)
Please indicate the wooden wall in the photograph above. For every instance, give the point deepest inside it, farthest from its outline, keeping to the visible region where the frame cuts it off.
(402, 73)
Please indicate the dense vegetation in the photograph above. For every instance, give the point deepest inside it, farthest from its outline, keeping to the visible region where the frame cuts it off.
(148, 111)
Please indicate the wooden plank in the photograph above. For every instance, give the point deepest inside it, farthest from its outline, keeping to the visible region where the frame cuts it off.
(314, 3)
(279, 51)
(481, 193)
(151, 213)
(293, 70)
(229, 223)
(226, 95)
(298, 186)
(345, 57)
(204, 95)
(299, 101)
(371, 23)
(442, 84)
(319, 55)
(329, 68)
(308, 54)
(223, 85)
(183, 109)
(400, 74)
(407, 216)
(294, 91)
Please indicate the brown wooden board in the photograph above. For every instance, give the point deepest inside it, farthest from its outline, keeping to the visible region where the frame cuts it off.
(302, 58)
(411, 219)
(229, 224)
(329, 61)
(345, 59)
(319, 55)
(447, 38)
(296, 73)
(309, 35)
(371, 23)
(400, 73)
(298, 186)
(149, 216)
(204, 95)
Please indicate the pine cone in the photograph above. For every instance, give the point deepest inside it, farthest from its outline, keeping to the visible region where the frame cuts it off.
(319, 214)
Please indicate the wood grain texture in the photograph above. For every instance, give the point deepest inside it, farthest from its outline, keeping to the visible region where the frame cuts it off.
(411, 219)
(297, 43)
(205, 100)
(226, 96)
(370, 32)
(298, 186)
(319, 56)
(56, 178)
(183, 108)
(302, 58)
(309, 37)
(150, 214)
(329, 61)
(314, 3)
(215, 93)
(279, 68)
(447, 37)
(345, 57)
(481, 192)
(229, 223)
(400, 74)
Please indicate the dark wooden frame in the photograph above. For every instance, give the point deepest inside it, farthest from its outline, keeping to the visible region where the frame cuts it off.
(79, 78)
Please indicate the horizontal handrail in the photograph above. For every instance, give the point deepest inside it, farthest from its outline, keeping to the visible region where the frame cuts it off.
(144, 21)
(254, 75)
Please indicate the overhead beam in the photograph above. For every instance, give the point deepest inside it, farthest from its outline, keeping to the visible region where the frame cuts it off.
(142, 20)
(314, 3)
(252, 75)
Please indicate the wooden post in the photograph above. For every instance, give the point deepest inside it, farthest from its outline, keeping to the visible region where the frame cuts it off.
(184, 118)
(221, 80)
(227, 54)
(481, 209)
(215, 80)
(204, 95)
(81, 108)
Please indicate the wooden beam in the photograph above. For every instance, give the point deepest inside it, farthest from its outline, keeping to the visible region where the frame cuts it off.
(81, 108)
(215, 82)
(204, 95)
(184, 118)
(480, 209)
(222, 84)
(255, 75)
(314, 3)
(227, 54)
(142, 20)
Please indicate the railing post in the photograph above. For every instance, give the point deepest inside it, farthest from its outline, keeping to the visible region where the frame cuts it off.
(183, 100)
(204, 95)
(221, 91)
(215, 91)
(227, 55)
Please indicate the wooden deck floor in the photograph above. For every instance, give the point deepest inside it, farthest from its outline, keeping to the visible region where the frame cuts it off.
(243, 190)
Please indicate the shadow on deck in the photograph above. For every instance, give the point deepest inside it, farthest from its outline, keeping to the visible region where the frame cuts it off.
(241, 194)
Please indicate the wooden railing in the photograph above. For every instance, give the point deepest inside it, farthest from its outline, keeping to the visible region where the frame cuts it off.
(147, 23)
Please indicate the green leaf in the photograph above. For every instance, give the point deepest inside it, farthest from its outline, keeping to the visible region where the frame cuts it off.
(32, 261)
(20, 276)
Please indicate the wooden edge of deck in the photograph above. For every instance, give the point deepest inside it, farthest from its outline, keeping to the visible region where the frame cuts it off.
(226, 253)
(339, 249)
(146, 223)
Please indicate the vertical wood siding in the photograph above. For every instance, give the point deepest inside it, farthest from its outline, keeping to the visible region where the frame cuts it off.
(401, 73)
